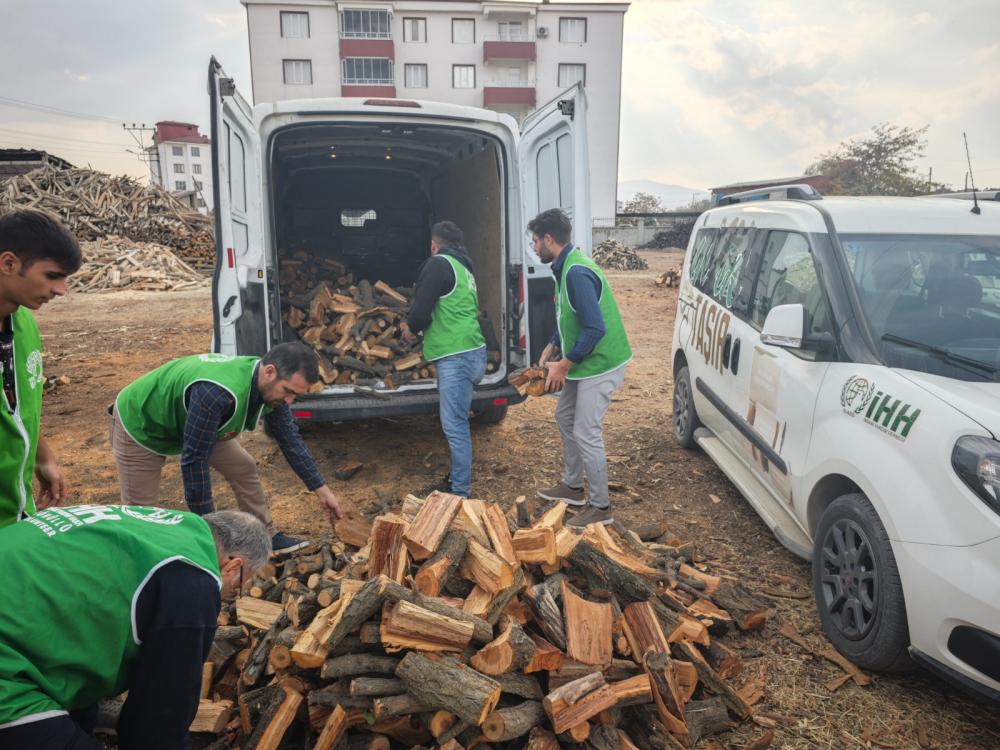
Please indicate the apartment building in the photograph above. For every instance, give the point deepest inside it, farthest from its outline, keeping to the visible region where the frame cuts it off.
(509, 56)
(180, 160)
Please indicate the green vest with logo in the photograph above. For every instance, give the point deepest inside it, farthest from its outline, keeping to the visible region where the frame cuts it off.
(613, 350)
(454, 326)
(72, 578)
(19, 426)
(153, 411)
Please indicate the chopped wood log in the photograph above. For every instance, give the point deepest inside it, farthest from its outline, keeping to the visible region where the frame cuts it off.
(521, 685)
(581, 710)
(375, 687)
(353, 531)
(547, 614)
(588, 628)
(477, 602)
(726, 662)
(388, 555)
(269, 734)
(486, 569)
(706, 717)
(382, 288)
(687, 678)
(394, 706)
(336, 695)
(352, 665)
(666, 694)
(522, 514)
(748, 611)
(408, 362)
(212, 716)
(469, 519)
(408, 626)
(535, 545)
(506, 724)
(643, 630)
(512, 650)
(501, 602)
(553, 517)
(438, 568)
(407, 730)
(499, 533)
(547, 658)
(568, 694)
(359, 608)
(712, 681)
(427, 531)
(633, 691)
(482, 632)
(257, 613)
(333, 730)
(439, 723)
(541, 739)
(445, 683)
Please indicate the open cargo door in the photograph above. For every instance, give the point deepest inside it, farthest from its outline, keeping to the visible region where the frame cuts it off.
(554, 173)
(239, 284)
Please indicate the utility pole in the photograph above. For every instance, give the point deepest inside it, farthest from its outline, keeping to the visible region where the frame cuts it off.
(138, 135)
(930, 178)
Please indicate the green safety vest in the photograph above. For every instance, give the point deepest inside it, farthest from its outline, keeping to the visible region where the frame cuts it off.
(19, 427)
(153, 411)
(72, 578)
(613, 350)
(454, 326)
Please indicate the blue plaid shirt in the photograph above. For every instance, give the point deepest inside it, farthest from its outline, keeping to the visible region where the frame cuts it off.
(209, 407)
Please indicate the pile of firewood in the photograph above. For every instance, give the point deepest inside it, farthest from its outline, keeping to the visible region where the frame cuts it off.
(452, 624)
(93, 205)
(529, 381)
(612, 254)
(670, 277)
(677, 235)
(113, 263)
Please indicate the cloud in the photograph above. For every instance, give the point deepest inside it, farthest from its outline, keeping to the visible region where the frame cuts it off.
(923, 19)
(76, 76)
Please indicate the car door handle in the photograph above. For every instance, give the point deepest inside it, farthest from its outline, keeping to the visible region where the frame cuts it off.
(228, 306)
(727, 350)
(734, 363)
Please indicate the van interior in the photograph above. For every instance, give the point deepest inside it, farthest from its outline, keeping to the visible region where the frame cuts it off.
(367, 195)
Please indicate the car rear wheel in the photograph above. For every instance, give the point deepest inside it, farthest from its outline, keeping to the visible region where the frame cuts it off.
(492, 414)
(685, 418)
(858, 591)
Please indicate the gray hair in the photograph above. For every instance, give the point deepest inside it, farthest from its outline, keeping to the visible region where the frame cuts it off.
(239, 533)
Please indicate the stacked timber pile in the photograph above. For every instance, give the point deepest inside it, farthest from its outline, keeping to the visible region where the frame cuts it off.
(612, 254)
(113, 263)
(454, 625)
(676, 235)
(670, 277)
(354, 326)
(93, 205)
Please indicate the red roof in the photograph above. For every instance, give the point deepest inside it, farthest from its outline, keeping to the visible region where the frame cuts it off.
(186, 132)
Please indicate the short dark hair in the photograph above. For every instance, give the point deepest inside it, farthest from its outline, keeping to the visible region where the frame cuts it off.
(35, 235)
(449, 232)
(553, 222)
(292, 357)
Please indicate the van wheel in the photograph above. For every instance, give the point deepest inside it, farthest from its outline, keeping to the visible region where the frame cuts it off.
(492, 414)
(685, 417)
(858, 592)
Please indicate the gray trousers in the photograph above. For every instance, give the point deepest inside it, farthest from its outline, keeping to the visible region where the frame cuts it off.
(580, 416)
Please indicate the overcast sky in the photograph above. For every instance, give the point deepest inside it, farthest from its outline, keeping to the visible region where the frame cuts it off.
(713, 91)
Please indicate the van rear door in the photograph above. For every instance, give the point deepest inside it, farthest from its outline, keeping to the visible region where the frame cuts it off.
(554, 173)
(239, 284)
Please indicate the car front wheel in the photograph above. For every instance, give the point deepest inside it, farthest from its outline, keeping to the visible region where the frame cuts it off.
(858, 591)
(685, 418)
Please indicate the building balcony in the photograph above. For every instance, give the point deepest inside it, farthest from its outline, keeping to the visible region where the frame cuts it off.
(508, 49)
(509, 94)
(372, 88)
(368, 47)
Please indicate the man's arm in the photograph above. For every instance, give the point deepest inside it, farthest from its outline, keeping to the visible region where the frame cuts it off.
(209, 406)
(436, 278)
(50, 477)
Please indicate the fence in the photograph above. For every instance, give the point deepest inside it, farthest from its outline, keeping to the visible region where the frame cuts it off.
(640, 228)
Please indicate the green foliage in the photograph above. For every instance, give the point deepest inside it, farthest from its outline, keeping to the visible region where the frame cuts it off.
(642, 203)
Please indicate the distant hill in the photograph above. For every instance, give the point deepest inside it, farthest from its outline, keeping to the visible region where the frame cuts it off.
(671, 196)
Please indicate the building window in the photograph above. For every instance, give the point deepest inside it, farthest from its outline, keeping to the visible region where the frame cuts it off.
(511, 31)
(365, 24)
(177, 150)
(463, 31)
(197, 184)
(570, 73)
(573, 30)
(463, 76)
(298, 71)
(294, 25)
(180, 185)
(367, 71)
(195, 151)
(414, 29)
(178, 169)
(415, 76)
(195, 168)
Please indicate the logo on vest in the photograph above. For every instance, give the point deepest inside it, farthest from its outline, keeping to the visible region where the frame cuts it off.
(216, 357)
(153, 515)
(34, 367)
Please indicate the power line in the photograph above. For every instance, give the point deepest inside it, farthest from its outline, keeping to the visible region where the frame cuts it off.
(30, 134)
(21, 104)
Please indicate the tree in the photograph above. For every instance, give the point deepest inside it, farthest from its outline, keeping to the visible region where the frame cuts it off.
(642, 203)
(881, 164)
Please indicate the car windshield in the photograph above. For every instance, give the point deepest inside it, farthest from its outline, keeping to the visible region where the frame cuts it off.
(932, 301)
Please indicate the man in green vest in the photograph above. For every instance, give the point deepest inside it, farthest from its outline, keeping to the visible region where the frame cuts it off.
(595, 349)
(196, 407)
(98, 599)
(37, 255)
(446, 308)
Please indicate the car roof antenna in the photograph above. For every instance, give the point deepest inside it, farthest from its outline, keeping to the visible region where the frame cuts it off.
(975, 201)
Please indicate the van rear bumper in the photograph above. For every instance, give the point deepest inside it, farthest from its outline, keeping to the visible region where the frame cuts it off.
(320, 408)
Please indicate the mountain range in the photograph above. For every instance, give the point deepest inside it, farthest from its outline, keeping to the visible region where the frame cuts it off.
(671, 196)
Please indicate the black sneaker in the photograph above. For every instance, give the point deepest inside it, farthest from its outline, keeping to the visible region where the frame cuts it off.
(282, 544)
(443, 486)
(584, 518)
(569, 495)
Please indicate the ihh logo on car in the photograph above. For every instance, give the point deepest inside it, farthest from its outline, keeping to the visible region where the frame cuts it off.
(882, 411)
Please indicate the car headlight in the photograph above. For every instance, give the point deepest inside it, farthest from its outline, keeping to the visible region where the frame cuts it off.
(977, 461)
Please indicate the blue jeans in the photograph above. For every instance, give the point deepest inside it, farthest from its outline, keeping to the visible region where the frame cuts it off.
(457, 375)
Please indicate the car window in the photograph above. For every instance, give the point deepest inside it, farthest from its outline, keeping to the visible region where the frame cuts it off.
(717, 261)
(788, 276)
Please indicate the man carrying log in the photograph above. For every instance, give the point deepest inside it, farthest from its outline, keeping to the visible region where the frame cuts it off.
(98, 599)
(446, 308)
(37, 255)
(595, 350)
(196, 407)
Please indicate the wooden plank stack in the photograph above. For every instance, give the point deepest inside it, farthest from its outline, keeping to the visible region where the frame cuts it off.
(612, 254)
(113, 263)
(93, 205)
(445, 629)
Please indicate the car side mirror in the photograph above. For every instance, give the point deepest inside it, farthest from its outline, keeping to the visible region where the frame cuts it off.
(785, 326)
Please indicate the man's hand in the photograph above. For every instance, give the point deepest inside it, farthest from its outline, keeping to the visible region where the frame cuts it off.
(555, 379)
(547, 353)
(408, 336)
(52, 482)
(330, 503)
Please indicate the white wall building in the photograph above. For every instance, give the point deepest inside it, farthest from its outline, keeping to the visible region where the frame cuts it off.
(180, 160)
(510, 55)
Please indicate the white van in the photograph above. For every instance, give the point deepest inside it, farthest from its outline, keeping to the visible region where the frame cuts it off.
(839, 359)
(297, 175)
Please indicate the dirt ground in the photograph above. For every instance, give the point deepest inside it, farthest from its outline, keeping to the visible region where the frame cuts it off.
(102, 342)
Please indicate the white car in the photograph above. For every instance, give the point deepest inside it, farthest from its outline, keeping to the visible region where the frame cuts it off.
(839, 359)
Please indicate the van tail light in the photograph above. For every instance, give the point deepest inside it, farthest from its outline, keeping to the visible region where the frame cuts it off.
(302, 414)
(230, 257)
(522, 341)
(499, 402)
